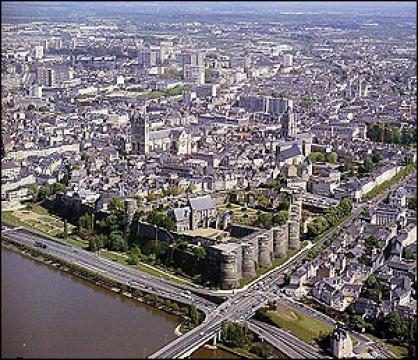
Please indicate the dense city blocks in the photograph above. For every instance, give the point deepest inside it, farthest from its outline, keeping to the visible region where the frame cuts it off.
(247, 166)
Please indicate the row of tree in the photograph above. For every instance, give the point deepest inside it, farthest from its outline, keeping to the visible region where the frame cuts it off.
(317, 156)
(40, 193)
(391, 134)
(332, 216)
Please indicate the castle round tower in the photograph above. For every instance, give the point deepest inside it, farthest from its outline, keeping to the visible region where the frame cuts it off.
(130, 209)
(264, 251)
(248, 258)
(280, 241)
(294, 234)
(229, 278)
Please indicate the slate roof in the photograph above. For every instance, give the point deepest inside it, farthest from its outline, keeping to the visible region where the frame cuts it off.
(289, 153)
(8, 165)
(159, 134)
(202, 203)
(181, 214)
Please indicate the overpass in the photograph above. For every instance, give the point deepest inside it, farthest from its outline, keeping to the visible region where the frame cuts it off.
(238, 307)
(288, 343)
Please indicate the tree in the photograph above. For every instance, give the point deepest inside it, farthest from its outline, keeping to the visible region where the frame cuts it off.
(136, 294)
(396, 135)
(394, 326)
(44, 192)
(175, 307)
(117, 242)
(376, 157)
(117, 204)
(58, 187)
(135, 256)
(332, 157)
(65, 229)
(194, 315)
(84, 221)
(92, 245)
(191, 188)
(33, 190)
(199, 252)
(281, 217)
(317, 156)
(371, 281)
(101, 241)
(317, 226)
(159, 219)
(283, 205)
(152, 196)
(264, 219)
(372, 242)
(346, 205)
(367, 165)
(85, 228)
(357, 322)
(262, 350)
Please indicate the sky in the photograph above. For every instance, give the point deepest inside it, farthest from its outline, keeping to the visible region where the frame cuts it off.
(61, 9)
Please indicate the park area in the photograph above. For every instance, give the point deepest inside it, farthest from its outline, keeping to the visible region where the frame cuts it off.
(241, 214)
(210, 233)
(38, 218)
(302, 326)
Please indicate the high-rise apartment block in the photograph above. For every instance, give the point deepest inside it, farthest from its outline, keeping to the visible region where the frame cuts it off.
(147, 58)
(266, 104)
(287, 60)
(194, 74)
(191, 58)
(39, 52)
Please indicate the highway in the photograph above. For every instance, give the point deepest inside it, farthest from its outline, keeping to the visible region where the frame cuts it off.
(315, 314)
(288, 343)
(113, 270)
(240, 306)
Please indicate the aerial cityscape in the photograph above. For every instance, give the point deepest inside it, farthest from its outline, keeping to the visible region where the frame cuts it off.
(208, 180)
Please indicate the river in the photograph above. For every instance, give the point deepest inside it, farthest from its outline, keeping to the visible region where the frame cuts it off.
(46, 313)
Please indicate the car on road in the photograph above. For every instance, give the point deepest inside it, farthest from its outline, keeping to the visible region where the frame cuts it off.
(41, 245)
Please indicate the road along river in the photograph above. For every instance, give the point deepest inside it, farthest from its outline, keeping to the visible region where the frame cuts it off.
(47, 313)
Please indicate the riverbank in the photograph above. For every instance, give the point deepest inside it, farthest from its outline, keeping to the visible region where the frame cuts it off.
(171, 307)
(50, 314)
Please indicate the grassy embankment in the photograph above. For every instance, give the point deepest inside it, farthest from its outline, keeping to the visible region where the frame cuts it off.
(275, 263)
(123, 259)
(29, 219)
(302, 326)
(175, 91)
(178, 309)
(41, 220)
(398, 350)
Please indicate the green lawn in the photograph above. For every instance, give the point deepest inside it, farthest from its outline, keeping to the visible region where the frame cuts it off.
(299, 324)
(8, 217)
(238, 351)
(36, 208)
(398, 350)
(123, 259)
(78, 243)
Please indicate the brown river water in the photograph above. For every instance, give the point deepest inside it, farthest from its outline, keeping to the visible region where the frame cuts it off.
(46, 313)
